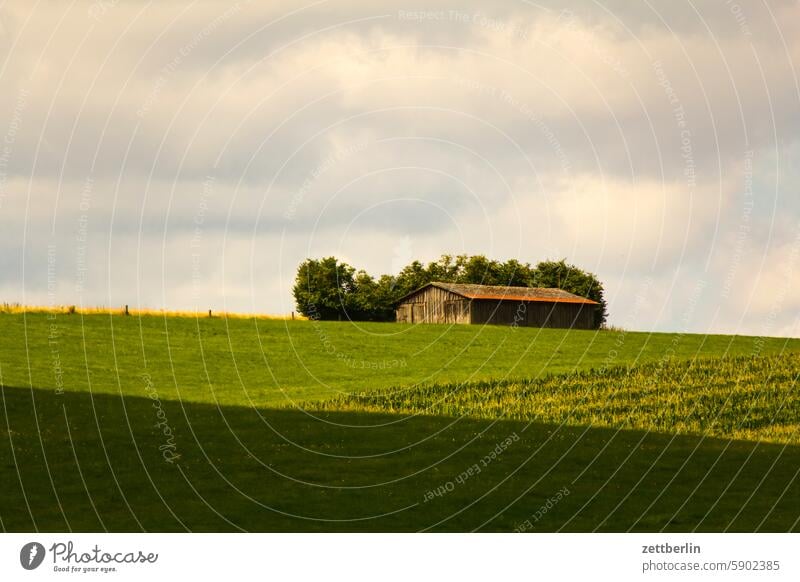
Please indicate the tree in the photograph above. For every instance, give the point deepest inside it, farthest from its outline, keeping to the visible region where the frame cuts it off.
(480, 271)
(412, 277)
(323, 288)
(447, 269)
(561, 275)
(371, 300)
(516, 274)
(386, 296)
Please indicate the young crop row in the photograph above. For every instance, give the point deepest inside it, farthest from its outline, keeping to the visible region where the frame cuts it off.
(755, 398)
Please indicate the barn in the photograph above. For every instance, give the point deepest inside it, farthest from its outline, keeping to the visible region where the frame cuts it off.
(491, 304)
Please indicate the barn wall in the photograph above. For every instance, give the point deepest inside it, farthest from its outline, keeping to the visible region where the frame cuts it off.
(498, 312)
(403, 313)
(532, 314)
(433, 305)
(561, 315)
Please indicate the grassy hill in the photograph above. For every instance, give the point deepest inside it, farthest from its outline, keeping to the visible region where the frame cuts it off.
(170, 424)
(264, 363)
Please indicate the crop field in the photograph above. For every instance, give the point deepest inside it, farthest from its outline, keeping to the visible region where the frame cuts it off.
(756, 398)
(163, 423)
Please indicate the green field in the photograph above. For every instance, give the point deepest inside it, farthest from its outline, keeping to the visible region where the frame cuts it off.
(170, 424)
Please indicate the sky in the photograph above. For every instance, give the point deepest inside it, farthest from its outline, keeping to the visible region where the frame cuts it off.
(189, 155)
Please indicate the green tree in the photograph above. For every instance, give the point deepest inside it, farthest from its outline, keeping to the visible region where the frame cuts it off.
(412, 277)
(481, 271)
(516, 274)
(323, 288)
(447, 269)
(386, 296)
(371, 300)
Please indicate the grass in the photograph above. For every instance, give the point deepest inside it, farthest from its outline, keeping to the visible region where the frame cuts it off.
(164, 423)
(268, 363)
(755, 398)
(84, 462)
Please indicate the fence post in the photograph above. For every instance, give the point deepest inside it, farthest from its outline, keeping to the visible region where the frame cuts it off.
(209, 313)
(126, 310)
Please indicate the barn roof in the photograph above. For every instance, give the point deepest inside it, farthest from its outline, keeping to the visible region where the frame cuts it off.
(507, 293)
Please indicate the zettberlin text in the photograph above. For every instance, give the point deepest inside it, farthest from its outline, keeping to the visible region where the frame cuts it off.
(671, 549)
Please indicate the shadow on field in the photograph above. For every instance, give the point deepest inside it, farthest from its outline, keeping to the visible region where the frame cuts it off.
(83, 462)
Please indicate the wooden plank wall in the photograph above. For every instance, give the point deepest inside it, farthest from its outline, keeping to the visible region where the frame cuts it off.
(532, 314)
(434, 305)
(403, 313)
(499, 312)
(430, 306)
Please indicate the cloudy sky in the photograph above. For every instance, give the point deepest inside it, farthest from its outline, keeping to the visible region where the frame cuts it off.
(189, 154)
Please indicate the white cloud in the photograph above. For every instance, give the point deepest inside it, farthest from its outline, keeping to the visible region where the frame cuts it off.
(522, 130)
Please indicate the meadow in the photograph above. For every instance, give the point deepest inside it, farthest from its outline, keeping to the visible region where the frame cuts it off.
(260, 362)
(163, 423)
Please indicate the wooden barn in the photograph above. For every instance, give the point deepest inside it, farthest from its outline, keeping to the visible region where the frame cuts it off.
(482, 304)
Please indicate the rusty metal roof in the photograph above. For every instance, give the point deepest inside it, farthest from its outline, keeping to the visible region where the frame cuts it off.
(499, 292)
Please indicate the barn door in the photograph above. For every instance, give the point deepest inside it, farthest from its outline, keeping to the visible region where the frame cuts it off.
(417, 312)
(403, 314)
(450, 313)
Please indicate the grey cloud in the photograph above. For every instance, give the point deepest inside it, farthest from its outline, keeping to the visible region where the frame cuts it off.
(550, 117)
